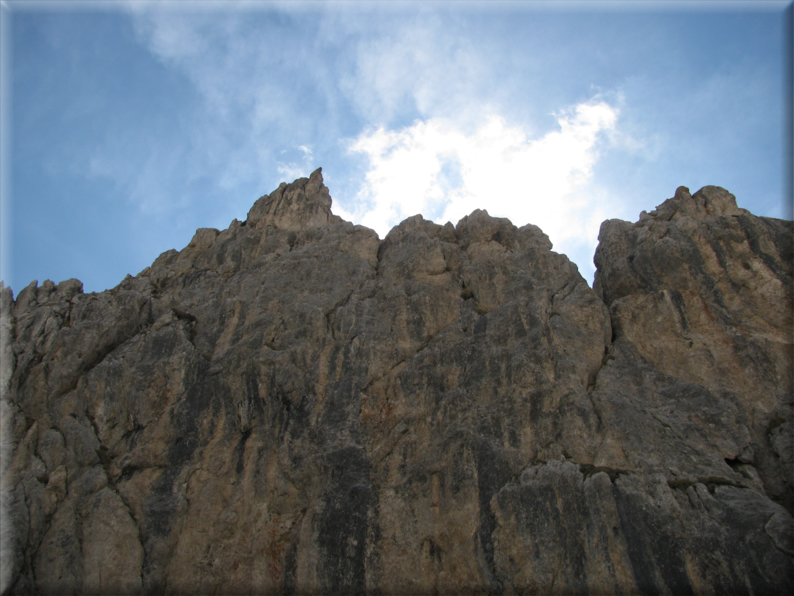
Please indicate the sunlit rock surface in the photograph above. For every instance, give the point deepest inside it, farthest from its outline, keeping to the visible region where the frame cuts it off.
(292, 405)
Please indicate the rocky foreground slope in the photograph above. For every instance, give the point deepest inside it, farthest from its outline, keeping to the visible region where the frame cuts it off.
(292, 405)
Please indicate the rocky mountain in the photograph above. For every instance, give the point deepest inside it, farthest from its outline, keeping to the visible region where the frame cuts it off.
(292, 405)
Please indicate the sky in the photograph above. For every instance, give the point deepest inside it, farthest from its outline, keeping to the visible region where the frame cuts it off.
(128, 125)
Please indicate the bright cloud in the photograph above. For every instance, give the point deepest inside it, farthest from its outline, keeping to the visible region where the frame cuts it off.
(436, 169)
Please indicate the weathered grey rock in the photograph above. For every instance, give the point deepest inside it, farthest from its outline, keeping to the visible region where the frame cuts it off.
(295, 207)
(292, 405)
(707, 300)
(562, 532)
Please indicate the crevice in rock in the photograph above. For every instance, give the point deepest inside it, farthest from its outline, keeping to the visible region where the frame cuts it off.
(374, 380)
(492, 475)
(754, 242)
(91, 364)
(330, 316)
(391, 442)
(711, 482)
(563, 293)
(733, 463)
(589, 470)
(592, 381)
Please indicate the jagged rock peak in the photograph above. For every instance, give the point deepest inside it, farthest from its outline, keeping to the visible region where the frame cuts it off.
(709, 201)
(287, 409)
(306, 203)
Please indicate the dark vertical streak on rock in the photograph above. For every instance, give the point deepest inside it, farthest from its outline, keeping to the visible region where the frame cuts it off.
(656, 560)
(492, 474)
(343, 527)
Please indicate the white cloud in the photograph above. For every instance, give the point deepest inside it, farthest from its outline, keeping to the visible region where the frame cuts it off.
(434, 168)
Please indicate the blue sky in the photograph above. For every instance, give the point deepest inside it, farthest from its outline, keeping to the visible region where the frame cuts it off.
(128, 125)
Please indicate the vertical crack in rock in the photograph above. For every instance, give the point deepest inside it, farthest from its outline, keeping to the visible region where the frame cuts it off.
(492, 475)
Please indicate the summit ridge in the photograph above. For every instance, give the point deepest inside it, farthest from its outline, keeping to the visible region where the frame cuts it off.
(294, 405)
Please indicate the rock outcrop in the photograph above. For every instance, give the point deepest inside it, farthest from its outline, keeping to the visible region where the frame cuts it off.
(292, 405)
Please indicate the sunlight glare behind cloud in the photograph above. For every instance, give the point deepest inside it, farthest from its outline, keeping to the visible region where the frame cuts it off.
(434, 168)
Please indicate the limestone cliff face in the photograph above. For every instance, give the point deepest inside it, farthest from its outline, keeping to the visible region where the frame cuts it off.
(292, 405)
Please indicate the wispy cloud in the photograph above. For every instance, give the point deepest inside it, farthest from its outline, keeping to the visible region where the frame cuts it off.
(435, 168)
(256, 98)
(297, 168)
(426, 64)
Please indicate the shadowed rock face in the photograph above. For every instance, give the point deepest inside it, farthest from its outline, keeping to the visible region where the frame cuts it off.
(292, 405)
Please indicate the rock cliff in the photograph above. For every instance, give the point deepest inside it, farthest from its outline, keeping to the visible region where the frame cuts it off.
(292, 405)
